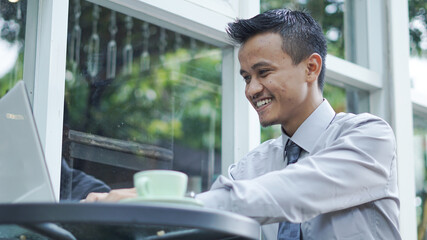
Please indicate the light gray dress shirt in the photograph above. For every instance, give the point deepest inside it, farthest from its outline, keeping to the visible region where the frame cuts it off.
(344, 185)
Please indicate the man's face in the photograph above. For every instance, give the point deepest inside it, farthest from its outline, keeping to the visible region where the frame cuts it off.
(275, 87)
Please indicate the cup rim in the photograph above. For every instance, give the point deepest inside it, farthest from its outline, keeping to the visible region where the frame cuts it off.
(159, 171)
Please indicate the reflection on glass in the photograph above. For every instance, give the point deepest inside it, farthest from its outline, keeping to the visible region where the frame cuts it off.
(12, 35)
(155, 105)
(330, 15)
(112, 47)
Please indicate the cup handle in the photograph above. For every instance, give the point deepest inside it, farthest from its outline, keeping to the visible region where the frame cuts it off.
(141, 185)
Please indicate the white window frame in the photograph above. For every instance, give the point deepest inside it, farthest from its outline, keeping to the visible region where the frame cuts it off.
(44, 75)
(402, 114)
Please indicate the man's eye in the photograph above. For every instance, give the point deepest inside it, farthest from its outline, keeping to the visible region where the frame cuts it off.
(247, 78)
(263, 72)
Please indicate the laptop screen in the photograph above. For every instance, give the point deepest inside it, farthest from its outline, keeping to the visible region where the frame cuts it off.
(24, 176)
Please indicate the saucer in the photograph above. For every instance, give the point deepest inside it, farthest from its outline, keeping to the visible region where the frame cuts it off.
(171, 200)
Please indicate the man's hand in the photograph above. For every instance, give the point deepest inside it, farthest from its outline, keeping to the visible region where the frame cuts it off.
(113, 196)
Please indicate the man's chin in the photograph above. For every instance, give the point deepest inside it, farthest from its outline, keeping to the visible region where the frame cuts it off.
(265, 123)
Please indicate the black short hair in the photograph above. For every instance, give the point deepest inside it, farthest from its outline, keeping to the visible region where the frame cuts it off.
(301, 34)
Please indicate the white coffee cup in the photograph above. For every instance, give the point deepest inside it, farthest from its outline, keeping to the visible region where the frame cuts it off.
(160, 184)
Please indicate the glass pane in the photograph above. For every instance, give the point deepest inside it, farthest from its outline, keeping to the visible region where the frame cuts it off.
(12, 35)
(417, 70)
(342, 99)
(418, 44)
(420, 161)
(139, 96)
(330, 15)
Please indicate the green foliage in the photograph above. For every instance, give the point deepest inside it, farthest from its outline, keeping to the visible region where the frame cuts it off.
(13, 76)
(336, 97)
(176, 101)
(12, 34)
(270, 132)
(417, 10)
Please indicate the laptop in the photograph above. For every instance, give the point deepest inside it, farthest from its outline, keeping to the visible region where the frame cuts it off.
(24, 176)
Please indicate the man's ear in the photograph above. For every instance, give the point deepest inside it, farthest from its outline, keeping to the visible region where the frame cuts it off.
(314, 66)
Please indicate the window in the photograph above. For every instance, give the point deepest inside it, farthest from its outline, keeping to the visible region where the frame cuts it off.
(140, 96)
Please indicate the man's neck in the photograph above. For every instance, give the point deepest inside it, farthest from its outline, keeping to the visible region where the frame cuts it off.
(290, 128)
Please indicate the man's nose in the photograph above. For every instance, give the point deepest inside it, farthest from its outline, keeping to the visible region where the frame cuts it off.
(254, 88)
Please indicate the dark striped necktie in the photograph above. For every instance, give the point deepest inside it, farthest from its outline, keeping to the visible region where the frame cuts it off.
(288, 230)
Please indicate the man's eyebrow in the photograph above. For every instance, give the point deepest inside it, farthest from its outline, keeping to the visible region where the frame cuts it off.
(260, 64)
(255, 66)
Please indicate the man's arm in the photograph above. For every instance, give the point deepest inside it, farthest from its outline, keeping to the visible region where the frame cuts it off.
(114, 195)
(76, 185)
(355, 168)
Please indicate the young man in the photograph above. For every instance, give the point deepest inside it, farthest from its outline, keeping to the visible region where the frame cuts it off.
(329, 176)
(342, 183)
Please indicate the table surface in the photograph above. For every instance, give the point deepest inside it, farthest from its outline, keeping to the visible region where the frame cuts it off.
(122, 221)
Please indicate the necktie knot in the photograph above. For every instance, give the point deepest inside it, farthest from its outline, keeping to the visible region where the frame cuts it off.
(292, 152)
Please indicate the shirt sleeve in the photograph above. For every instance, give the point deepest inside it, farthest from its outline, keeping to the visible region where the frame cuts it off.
(76, 185)
(352, 167)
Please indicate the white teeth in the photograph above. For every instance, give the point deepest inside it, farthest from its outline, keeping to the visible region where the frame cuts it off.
(263, 102)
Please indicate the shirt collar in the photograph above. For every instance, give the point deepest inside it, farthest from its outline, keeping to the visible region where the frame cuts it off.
(311, 129)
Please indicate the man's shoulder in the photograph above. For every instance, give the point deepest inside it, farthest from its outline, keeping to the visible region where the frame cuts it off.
(351, 119)
(264, 158)
(265, 148)
(363, 124)
(272, 142)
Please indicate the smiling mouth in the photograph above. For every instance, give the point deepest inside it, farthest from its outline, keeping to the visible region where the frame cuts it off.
(263, 102)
